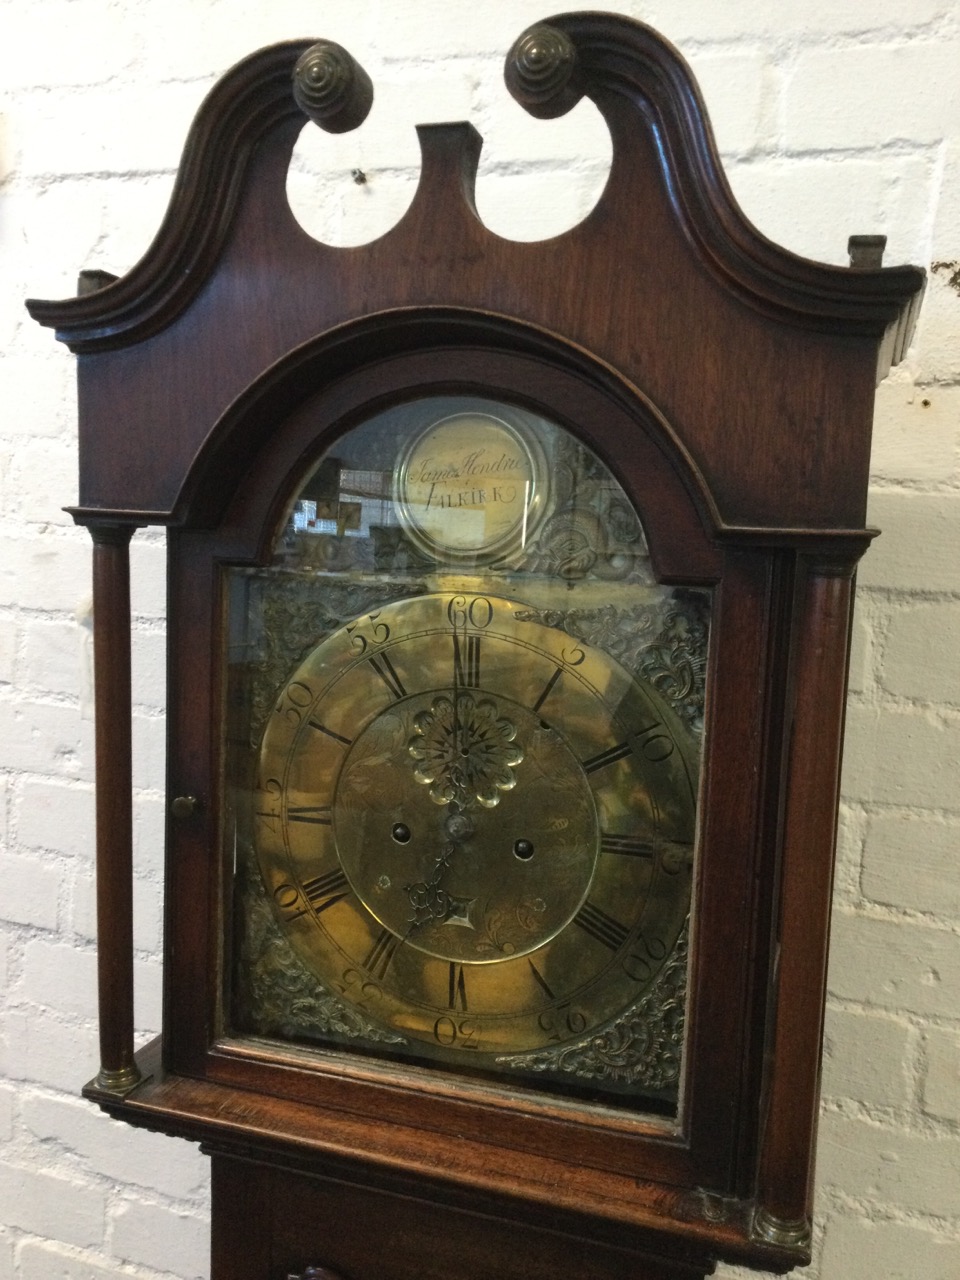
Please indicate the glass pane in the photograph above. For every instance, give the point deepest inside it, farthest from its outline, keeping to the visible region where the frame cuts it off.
(462, 762)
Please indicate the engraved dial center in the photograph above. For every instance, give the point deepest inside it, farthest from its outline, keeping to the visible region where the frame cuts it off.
(465, 824)
(464, 885)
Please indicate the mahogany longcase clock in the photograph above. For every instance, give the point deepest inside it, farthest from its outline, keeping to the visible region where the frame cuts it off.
(509, 596)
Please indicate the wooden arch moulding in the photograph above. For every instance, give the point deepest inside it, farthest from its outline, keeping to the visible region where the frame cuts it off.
(640, 640)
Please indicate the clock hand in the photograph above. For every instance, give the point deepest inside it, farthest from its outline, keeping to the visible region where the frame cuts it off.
(428, 900)
(456, 706)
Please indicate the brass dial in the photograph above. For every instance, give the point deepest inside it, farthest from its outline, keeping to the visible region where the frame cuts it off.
(473, 827)
(471, 486)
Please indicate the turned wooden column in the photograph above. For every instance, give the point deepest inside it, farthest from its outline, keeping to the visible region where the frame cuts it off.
(114, 804)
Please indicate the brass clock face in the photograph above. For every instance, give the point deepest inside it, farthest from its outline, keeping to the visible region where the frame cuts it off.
(474, 828)
(461, 754)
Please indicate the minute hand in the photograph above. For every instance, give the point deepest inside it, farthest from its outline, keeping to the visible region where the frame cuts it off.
(456, 698)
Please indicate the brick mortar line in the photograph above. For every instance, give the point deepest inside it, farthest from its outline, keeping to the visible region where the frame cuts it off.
(881, 913)
(891, 1213)
(932, 595)
(935, 488)
(905, 1018)
(935, 1129)
(880, 808)
(95, 1180)
(884, 701)
(102, 1261)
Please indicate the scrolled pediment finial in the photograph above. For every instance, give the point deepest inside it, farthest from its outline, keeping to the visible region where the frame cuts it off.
(332, 88)
(543, 71)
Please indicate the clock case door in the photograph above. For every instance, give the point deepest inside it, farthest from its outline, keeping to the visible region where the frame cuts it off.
(729, 387)
(714, 1143)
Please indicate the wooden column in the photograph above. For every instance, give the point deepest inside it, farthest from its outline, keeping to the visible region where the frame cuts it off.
(111, 658)
(819, 695)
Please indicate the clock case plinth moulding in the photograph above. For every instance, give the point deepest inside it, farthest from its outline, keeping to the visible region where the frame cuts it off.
(729, 386)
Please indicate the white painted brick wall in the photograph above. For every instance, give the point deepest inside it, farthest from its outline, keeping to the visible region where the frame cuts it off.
(834, 116)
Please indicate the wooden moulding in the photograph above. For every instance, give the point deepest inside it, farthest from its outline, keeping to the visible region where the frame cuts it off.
(785, 1184)
(764, 319)
(613, 57)
(550, 1194)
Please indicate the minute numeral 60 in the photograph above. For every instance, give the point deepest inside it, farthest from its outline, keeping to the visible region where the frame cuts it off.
(476, 612)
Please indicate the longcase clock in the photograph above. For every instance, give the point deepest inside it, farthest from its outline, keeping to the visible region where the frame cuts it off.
(509, 599)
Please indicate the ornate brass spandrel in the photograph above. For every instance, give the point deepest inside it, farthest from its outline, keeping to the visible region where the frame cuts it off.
(277, 995)
(640, 1048)
(293, 612)
(591, 532)
(662, 641)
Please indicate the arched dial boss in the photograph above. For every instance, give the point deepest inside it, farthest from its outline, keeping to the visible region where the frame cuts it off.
(474, 827)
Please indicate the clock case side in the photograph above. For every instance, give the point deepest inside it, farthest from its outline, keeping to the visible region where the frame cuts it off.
(768, 399)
